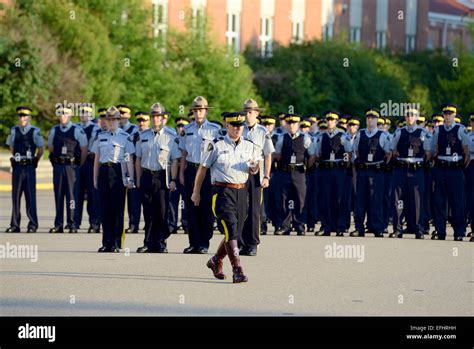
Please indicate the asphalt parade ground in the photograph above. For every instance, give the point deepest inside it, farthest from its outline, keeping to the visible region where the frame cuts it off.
(292, 275)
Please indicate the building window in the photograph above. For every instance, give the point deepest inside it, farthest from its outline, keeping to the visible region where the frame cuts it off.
(266, 38)
(233, 32)
(327, 32)
(297, 35)
(354, 35)
(198, 17)
(160, 19)
(297, 21)
(410, 43)
(381, 39)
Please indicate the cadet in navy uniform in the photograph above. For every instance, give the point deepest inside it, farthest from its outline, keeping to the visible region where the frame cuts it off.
(372, 148)
(231, 159)
(268, 121)
(156, 150)
(353, 125)
(451, 152)
(470, 177)
(133, 194)
(291, 152)
(192, 142)
(84, 182)
(312, 216)
(67, 145)
(179, 192)
(411, 148)
(113, 172)
(333, 151)
(260, 137)
(27, 146)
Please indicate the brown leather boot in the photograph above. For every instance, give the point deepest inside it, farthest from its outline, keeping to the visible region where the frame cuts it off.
(233, 253)
(215, 263)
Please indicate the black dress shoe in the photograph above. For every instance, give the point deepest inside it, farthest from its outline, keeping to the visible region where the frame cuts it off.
(114, 250)
(279, 231)
(143, 249)
(202, 250)
(396, 235)
(420, 236)
(31, 230)
(162, 250)
(469, 234)
(310, 230)
(12, 230)
(321, 233)
(73, 231)
(438, 237)
(56, 230)
(339, 233)
(357, 234)
(131, 230)
(103, 249)
(378, 235)
(300, 233)
(458, 238)
(471, 239)
(190, 250)
(248, 252)
(174, 231)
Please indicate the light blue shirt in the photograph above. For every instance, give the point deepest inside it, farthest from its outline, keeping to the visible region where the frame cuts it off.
(113, 146)
(384, 140)
(471, 144)
(79, 134)
(156, 149)
(229, 161)
(195, 138)
(345, 141)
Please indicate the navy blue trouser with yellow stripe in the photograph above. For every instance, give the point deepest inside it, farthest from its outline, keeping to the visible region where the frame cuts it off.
(230, 206)
(24, 181)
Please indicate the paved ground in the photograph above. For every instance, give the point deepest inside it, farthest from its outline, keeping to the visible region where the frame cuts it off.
(290, 276)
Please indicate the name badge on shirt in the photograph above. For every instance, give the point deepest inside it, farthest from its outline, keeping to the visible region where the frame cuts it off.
(410, 152)
(332, 157)
(370, 157)
(64, 150)
(28, 154)
(448, 150)
(116, 152)
(293, 159)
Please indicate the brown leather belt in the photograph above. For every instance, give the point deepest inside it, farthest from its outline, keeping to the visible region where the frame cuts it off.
(230, 185)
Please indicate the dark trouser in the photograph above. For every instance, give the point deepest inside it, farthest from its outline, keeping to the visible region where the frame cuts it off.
(331, 183)
(65, 188)
(312, 214)
(346, 204)
(86, 191)
(134, 207)
(427, 201)
(112, 205)
(388, 209)
(200, 218)
(470, 193)
(449, 192)
(408, 193)
(24, 181)
(174, 206)
(230, 208)
(369, 200)
(290, 195)
(155, 208)
(250, 237)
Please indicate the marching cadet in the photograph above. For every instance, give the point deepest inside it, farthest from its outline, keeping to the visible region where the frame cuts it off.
(113, 172)
(27, 146)
(67, 145)
(178, 194)
(411, 148)
(470, 176)
(421, 122)
(451, 152)
(156, 149)
(231, 159)
(346, 204)
(192, 142)
(305, 126)
(269, 122)
(283, 128)
(353, 125)
(438, 120)
(132, 194)
(312, 216)
(372, 148)
(260, 137)
(388, 209)
(333, 152)
(84, 182)
(291, 153)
